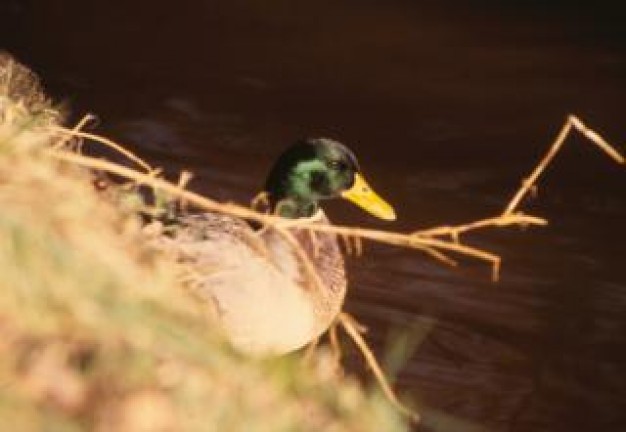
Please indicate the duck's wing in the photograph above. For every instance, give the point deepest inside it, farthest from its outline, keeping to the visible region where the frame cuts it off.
(327, 293)
(260, 307)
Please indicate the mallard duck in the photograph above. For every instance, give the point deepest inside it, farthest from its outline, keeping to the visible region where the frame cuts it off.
(254, 283)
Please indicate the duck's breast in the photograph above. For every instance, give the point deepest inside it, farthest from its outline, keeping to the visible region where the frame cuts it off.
(258, 304)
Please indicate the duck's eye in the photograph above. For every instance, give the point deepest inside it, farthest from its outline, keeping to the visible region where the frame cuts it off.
(337, 165)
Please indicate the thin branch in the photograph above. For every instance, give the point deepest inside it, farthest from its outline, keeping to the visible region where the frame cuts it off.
(195, 199)
(73, 132)
(351, 327)
(497, 221)
(530, 181)
(595, 138)
(107, 142)
(334, 343)
(276, 222)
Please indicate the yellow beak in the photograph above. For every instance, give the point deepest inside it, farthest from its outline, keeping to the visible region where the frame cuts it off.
(362, 195)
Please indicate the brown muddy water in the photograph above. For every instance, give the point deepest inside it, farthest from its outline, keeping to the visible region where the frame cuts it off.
(447, 107)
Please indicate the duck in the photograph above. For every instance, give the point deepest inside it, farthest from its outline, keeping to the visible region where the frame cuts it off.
(254, 283)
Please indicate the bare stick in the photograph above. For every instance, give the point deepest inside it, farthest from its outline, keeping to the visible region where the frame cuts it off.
(81, 124)
(310, 350)
(347, 243)
(107, 142)
(497, 221)
(595, 138)
(314, 277)
(351, 327)
(398, 239)
(183, 180)
(530, 181)
(196, 199)
(426, 244)
(334, 343)
(358, 245)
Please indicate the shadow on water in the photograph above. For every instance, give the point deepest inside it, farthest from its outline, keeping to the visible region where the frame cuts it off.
(447, 107)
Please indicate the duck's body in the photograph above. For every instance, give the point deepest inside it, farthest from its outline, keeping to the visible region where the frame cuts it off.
(256, 285)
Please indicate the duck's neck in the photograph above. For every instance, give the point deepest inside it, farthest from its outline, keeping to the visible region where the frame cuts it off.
(294, 207)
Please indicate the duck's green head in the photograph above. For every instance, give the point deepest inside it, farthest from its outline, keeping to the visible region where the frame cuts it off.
(316, 169)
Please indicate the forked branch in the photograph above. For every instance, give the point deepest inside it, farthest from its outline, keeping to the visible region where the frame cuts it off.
(531, 180)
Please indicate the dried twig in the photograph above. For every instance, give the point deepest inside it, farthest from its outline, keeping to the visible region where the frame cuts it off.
(429, 245)
(334, 342)
(351, 326)
(75, 132)
(81, 124)
(183, 180)
(572, 121)
(198, 200)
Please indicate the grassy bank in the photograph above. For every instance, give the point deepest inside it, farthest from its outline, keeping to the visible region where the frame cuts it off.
(99, 334)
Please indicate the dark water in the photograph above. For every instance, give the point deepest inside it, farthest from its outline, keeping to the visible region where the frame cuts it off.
(447, 107)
